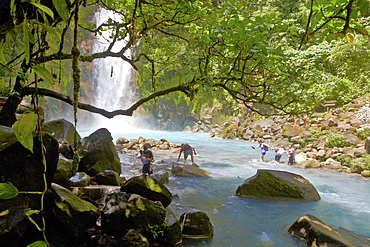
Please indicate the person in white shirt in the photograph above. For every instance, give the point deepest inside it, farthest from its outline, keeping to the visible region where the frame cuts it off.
(278, 153)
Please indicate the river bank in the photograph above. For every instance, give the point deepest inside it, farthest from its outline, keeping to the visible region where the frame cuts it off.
(337, 138)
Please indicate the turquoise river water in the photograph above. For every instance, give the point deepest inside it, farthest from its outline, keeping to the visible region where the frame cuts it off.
(345, 198)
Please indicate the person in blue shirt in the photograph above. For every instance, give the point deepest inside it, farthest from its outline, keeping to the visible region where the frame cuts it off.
(264, 147)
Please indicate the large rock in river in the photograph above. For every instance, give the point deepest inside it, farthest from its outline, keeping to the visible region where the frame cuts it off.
(317, 233)
(188, 171)
(148, 187)
(98, 153)
(282, 185)
(196, 225)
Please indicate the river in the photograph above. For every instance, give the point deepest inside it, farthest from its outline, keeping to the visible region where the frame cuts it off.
(345, 198)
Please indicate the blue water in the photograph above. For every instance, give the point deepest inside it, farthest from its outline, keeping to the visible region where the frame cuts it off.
(345, 198)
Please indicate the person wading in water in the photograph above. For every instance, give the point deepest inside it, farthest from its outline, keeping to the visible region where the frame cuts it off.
(146, 157)
(188, 150)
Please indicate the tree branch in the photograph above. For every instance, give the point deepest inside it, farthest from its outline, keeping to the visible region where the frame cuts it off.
(108, 114)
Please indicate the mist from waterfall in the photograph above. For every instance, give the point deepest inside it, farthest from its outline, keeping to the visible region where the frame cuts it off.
(113, 80)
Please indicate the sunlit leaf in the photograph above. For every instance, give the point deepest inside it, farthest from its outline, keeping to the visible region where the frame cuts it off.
(8, 191)
(37, 244)
(23, 129)
(350, 37)
(44, 8)
(31, 212)
(62, 8)
(44, 74)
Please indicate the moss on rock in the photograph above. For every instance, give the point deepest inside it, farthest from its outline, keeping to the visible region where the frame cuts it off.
(270, 184)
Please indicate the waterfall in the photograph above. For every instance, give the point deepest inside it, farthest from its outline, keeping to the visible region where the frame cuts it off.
(113, 80)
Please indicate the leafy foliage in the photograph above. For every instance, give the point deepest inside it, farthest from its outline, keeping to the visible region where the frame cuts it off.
(8, 191)
(23, 129)
(336, 140)
(242, 52)
(363, 133)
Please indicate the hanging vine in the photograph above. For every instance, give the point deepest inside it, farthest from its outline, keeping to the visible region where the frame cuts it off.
(76, 78)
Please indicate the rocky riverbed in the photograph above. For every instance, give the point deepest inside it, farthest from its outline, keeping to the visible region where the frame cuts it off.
(337, 138)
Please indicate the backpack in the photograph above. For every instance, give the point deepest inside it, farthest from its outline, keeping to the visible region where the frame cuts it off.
(185, 146)
(266, 148)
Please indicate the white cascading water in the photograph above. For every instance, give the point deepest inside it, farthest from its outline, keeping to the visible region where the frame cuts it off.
(113, 80)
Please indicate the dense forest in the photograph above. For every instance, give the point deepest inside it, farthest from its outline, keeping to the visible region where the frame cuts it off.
(230, 54)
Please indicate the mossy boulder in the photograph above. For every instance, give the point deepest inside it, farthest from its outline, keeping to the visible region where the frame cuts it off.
(281, 185)
(107, 177)
(148, 187)
(98, 153)
(172, 233)
(65, 170)
(124, 211)
(61, 129)
(132, 238)
(196, 225)
(188, 171)
(317, 233)
(64, 131)
(72, 214)
(365, 173)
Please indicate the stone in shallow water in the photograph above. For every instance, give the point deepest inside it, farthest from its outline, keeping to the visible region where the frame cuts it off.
(196, 225)
(281, 185)
(317, 233)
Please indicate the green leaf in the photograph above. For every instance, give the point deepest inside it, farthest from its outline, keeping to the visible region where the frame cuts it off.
(31, 212)
(62, 8)
(8, 191)
(44, 74)
(23, 129)
(350, 37)
(44, 8)
(51, 30)
(37, 244)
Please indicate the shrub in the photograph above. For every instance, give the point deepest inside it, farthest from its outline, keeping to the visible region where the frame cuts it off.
(363, 133)
(336, 140)
(318, 134)
(306, 140)
(346, 160)
(366, 160)
(362, 161)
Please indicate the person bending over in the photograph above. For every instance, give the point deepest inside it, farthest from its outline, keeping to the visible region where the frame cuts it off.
(188, 150)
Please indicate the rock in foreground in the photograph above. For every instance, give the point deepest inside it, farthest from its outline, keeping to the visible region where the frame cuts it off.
(317, 233)
(196, 225)
(281, 185)
(148, 187)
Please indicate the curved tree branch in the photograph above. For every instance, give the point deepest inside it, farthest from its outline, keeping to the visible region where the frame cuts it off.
(108, 114)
